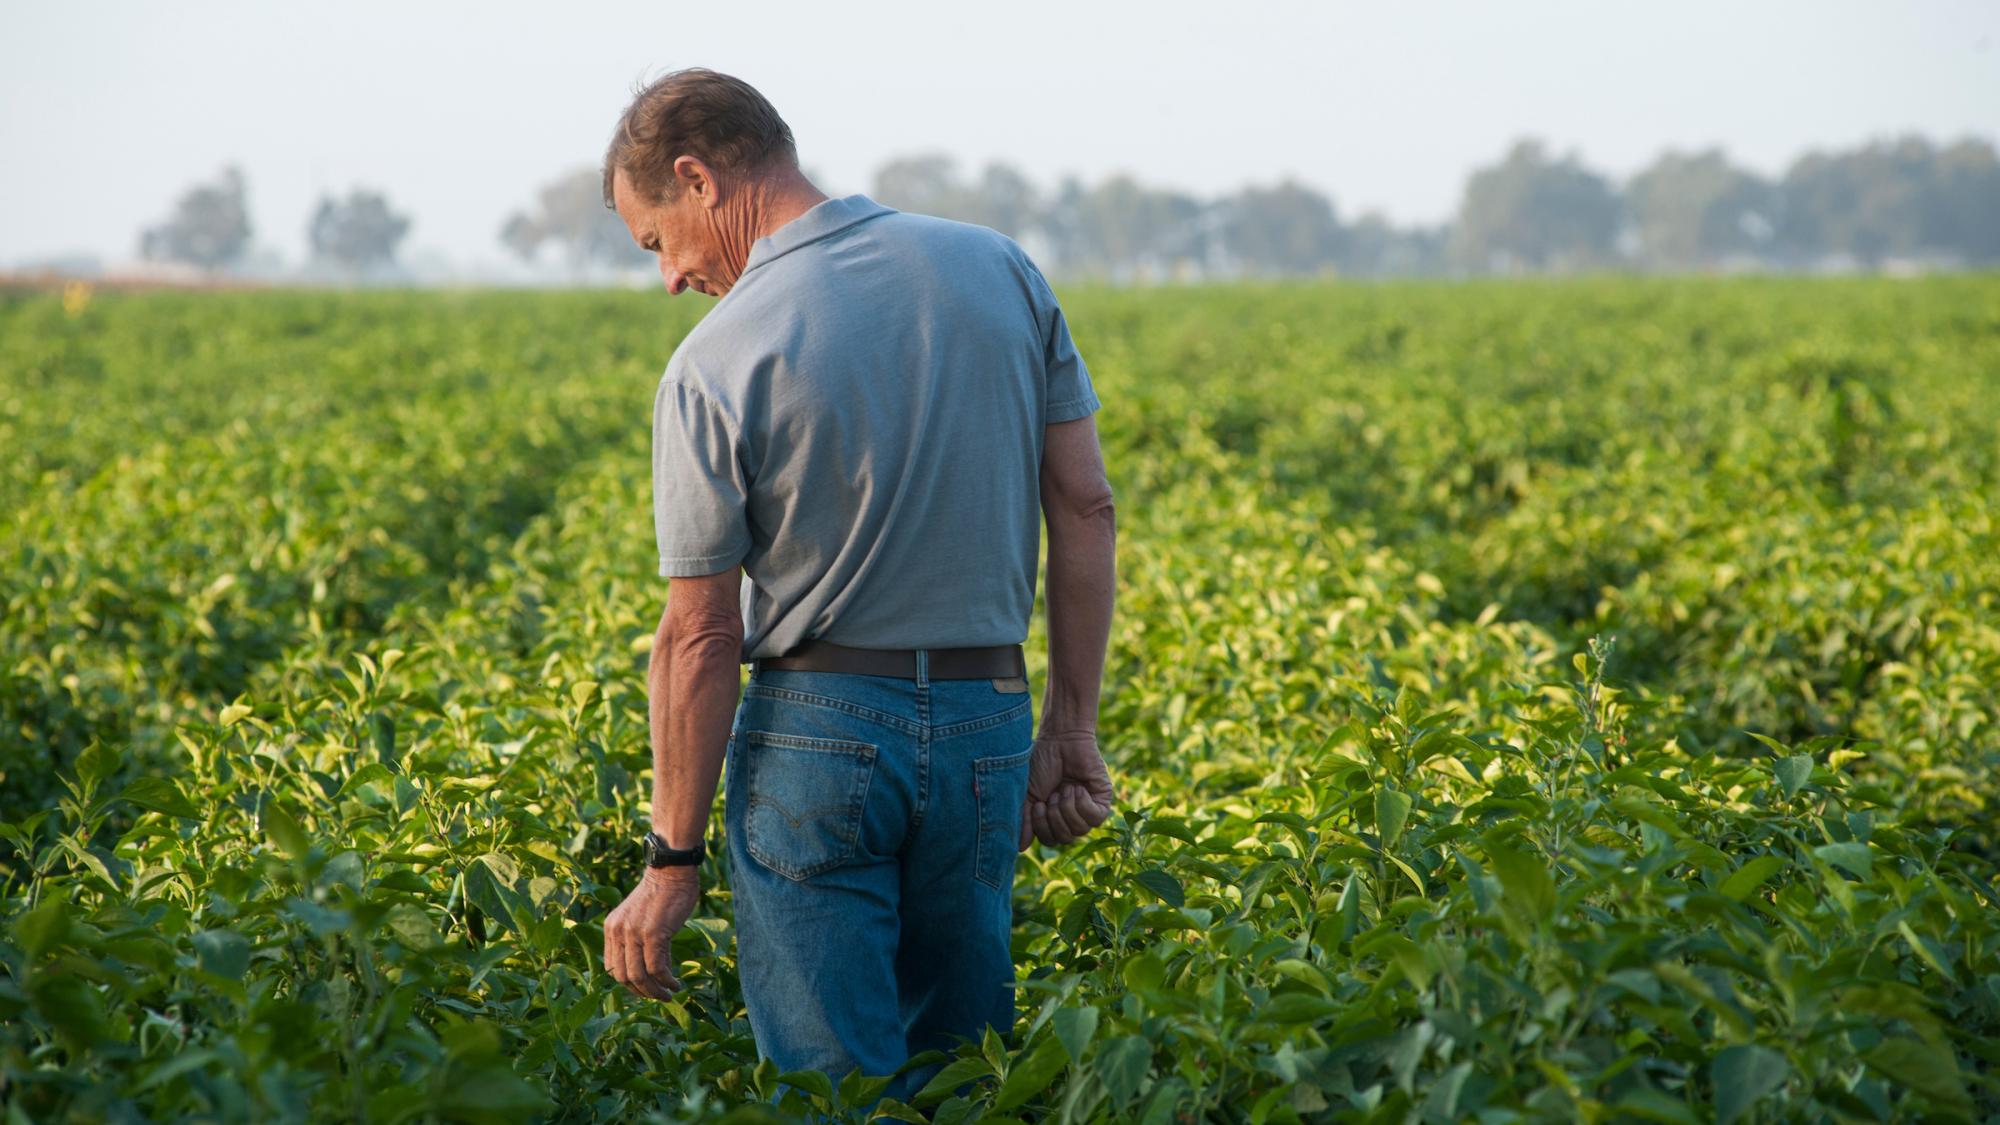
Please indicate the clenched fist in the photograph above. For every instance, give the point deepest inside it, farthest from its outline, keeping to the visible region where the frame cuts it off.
(1069, 790)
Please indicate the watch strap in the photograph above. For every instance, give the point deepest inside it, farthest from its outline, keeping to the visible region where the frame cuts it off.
(658, 854)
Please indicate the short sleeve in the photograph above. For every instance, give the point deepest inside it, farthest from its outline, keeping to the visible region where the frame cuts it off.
(1070, 394)
(700, 491)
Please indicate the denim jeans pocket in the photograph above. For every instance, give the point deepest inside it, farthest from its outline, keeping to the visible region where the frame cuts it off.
(805, 799)
(1000, 787)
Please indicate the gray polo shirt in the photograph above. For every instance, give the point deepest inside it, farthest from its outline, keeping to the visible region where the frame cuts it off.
(858, 422)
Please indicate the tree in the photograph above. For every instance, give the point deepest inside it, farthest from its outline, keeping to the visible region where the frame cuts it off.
(522, 235)
(1121, 226)
(359, 233)
(1691, 211)
(1964, 213)
(929, 184)
(1374, 247)
(1895, 198)
(1532, 212)
(1287, 229)
(569, 212)
(1008, 202)
(209, 228)
(1867, 203)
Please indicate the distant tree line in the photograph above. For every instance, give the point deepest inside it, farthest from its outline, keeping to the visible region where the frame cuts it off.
(1894, 201)
(569, 215)
(1903, 200)
(351, 237)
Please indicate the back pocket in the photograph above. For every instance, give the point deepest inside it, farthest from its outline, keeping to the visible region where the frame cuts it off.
(805, 799)
(1000, 786)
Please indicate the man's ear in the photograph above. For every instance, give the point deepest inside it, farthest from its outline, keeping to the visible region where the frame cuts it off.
(696, 176)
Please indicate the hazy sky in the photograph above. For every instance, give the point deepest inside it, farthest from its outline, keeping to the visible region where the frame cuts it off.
(459, 110)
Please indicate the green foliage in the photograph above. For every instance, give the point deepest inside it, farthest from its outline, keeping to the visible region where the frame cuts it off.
(324, 729)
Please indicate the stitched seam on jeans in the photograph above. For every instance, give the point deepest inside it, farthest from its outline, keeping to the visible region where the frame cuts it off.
(792, 871)
(1000, 761)
(896, 722)
(858, 814)
(786, 870)
(863, 750)
(863, 755)
(923, 800)
(980, 767)
(795, 821)
(971, 725)
(979, 861)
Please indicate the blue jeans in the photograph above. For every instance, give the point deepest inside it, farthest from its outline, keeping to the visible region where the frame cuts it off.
(872, 826)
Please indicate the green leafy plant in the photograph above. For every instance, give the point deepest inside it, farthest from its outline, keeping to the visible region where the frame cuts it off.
(323, 727)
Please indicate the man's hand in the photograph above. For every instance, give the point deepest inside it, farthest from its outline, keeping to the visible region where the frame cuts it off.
(639, 933)
(1069, 791)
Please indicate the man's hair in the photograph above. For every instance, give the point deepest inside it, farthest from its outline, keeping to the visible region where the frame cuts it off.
(720, 120)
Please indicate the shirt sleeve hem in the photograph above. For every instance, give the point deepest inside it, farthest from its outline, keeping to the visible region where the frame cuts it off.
(1070, 411)
(695, 566)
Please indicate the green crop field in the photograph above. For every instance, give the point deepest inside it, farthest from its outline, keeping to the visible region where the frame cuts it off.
(1538, 701)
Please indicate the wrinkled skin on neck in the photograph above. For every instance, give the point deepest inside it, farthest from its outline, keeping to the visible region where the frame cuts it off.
(702, 236)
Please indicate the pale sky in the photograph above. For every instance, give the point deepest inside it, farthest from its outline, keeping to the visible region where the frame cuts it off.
(458, 111)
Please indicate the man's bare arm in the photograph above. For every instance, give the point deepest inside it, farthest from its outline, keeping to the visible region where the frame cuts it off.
(693, 680)
(1077, 504)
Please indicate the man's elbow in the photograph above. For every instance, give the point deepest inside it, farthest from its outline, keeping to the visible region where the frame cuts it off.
(1103, 507)
(1099, 508)
(704, 636)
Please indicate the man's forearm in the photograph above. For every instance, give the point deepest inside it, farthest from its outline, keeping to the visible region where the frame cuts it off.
(692, 684)
(1082, 590)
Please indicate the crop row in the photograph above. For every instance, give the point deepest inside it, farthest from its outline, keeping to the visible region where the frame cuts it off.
(325, 724)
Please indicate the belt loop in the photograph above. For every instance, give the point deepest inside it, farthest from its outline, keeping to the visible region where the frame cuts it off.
(923, 667)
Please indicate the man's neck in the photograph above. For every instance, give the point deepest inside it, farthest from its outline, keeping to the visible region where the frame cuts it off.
(763, 207)
(779, 203)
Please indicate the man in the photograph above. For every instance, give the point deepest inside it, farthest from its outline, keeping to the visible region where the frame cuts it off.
(870, 424)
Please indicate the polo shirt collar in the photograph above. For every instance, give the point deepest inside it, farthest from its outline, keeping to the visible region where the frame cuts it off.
(820, 220)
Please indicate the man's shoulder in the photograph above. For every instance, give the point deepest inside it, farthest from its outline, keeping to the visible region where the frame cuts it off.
(912, 232)
(938, 231)
(904, 248)
(763, 311)
(975, 261)
(701, 361)
(741, 319)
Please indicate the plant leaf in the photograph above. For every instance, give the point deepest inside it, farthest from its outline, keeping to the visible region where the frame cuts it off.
(283, 830)
(1122, 1065)
(954, 1074)
(1851, 856)
(1031, 1075)
(1075, 1027)
(1162, 884)
(1750, 876)
(1921, 1067)
(1742, 1074)
(1792, 772)
(162, 795)
(1392, 810)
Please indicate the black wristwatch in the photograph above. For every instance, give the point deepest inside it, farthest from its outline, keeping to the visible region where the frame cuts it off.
(658, 854)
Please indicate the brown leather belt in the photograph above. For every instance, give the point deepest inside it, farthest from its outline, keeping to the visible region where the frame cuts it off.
(942, 663)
